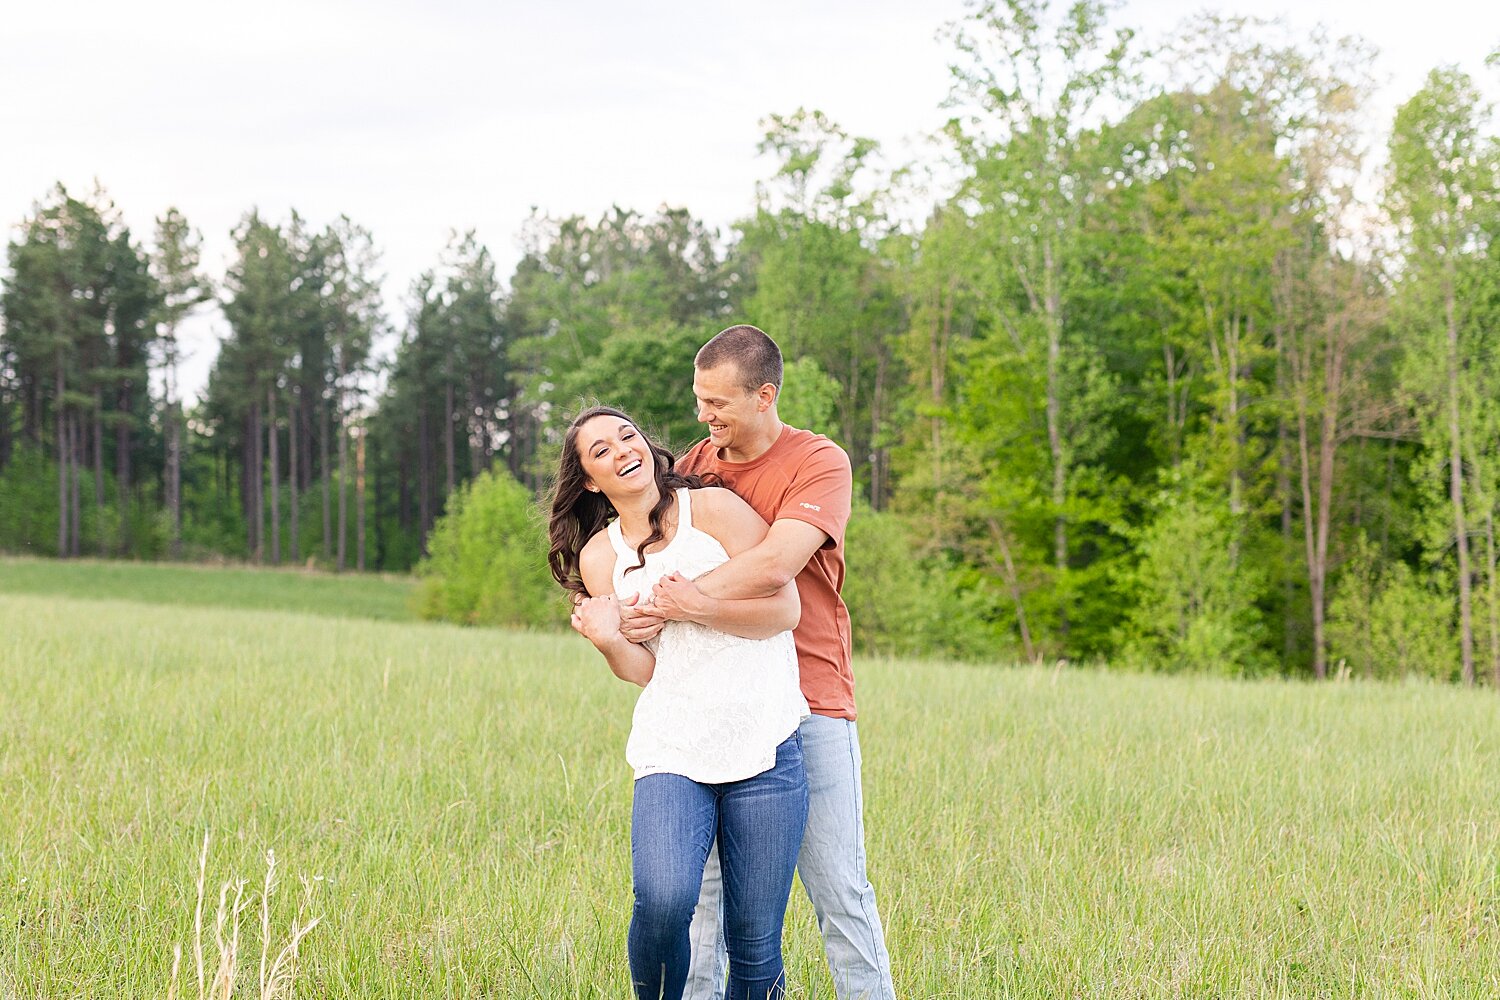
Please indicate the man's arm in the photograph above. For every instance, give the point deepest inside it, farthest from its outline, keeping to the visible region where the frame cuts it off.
(767, 567)
(676, 598)
(753, 614)
(736, 596)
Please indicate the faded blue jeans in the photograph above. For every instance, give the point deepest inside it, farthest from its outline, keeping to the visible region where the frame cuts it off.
(832, 867)
(674, 822)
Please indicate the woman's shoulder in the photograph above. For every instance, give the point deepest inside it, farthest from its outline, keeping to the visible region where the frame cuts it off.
(714, 502)
(597, 554)
(726, 516)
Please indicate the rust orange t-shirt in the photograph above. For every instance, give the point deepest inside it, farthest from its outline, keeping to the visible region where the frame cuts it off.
(806, 477)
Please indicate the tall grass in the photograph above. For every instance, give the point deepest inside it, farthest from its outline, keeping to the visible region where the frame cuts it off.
(278, 975)
(1032, 833)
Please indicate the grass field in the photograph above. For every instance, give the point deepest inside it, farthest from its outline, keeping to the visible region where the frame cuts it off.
(461, 798)
(367, 595)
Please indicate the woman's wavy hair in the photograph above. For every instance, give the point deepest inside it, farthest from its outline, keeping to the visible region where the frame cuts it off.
(578, 513)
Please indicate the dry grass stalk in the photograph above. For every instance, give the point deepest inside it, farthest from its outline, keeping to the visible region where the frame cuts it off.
(276, 974)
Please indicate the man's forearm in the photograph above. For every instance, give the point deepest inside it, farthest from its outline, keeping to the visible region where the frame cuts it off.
(749, 575)
(751, 618)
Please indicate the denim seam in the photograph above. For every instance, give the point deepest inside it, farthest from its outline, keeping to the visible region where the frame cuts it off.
(871, 919)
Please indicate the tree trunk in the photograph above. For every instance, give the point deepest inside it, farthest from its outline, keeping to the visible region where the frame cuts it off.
(99, 472)
(1456, 495)
(343, 432)
(424, 477)
(294, 431)
(327, 489)
(1053, 304)
(272, 438)
(122, 465)
(76, 541)
(448, 438)
(376, 500)
(247, 485)
(937, 376)
(1007, 568)
(6, 432)
(359, 502)
(62, 463)
(1286, 503)
(173, 428)
(877, 415)
(258, 482)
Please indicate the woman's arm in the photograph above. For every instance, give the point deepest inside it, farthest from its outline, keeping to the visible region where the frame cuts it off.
(738, 528)
(598, 618)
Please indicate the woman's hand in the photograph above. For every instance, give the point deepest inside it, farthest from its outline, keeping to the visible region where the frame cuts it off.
(597, 619)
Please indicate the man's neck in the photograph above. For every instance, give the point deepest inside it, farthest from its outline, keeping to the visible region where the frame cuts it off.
(754, 446)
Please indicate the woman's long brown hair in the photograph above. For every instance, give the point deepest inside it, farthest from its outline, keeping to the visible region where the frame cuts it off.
(578, 513)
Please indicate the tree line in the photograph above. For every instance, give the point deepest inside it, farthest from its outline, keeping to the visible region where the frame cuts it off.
(1178, 370)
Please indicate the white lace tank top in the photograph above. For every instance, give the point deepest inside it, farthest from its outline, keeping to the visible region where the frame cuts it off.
(717, 705)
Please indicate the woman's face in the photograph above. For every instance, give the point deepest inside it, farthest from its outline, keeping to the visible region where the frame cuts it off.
(615, 457)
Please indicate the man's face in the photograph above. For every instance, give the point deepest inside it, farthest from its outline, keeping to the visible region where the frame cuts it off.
(725, 405)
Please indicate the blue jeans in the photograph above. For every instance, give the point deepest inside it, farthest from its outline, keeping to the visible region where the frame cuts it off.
(674, 822)
(832, 867)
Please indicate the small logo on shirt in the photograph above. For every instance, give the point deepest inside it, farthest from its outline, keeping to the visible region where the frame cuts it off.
(811, 506)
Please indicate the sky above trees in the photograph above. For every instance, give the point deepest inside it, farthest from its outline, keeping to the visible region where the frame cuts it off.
(467, 115)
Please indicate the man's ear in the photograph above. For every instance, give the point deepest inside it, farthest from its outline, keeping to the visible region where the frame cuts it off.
(767, 397)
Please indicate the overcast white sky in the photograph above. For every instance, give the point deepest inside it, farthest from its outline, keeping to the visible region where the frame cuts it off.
(468, 113)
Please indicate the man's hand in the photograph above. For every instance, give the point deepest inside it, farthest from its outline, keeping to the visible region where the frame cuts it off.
(678, 599)
(639, 622)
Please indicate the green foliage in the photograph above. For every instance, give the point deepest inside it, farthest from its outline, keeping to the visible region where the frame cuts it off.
(648, 373)
(1195, 593)
(28, 504)
(487, 559)
(1385, 622)
(901, 604)
(809, 397)
(28, 512)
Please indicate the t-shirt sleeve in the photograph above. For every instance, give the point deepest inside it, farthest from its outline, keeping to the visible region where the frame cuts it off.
(821, 492)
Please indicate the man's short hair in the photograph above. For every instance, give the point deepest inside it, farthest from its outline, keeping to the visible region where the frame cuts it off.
(754, 355)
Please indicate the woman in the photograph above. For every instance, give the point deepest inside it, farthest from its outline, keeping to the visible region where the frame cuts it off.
(714, 741)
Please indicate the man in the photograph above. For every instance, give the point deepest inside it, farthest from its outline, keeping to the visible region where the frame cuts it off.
(801, 484)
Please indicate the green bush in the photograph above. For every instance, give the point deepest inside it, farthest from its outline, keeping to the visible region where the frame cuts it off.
(1383, 622)
(487, 559)
(28, 512)
(28, 504)
(903, 605)
(1196, 600)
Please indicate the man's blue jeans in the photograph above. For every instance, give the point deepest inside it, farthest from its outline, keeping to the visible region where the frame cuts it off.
(758, 824)
(832, 868)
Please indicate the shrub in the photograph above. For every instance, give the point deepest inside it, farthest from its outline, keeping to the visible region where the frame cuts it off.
(1196, 601)
(487, 559)
(1383, 622)
(900, 604)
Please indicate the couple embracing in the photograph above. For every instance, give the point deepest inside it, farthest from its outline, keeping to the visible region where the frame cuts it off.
(712, 581)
